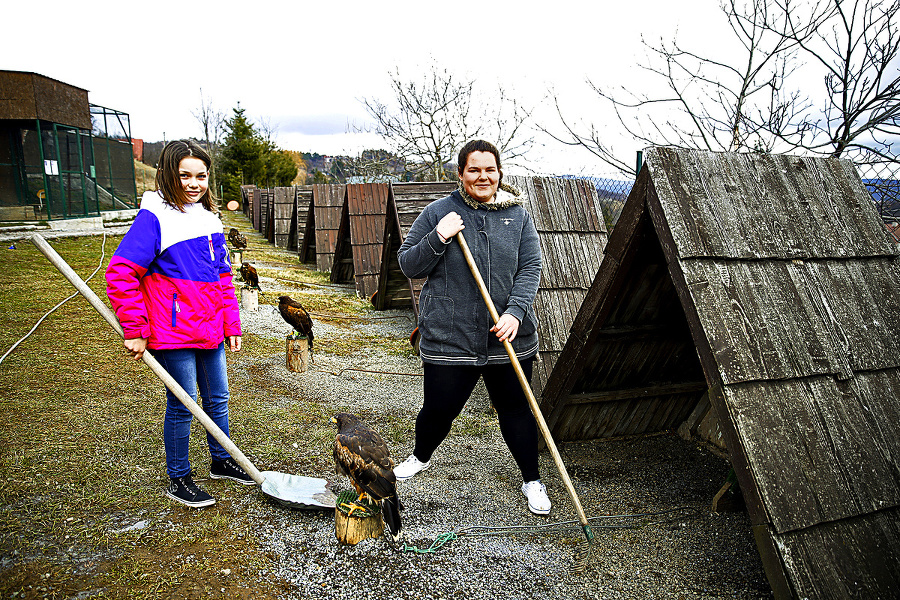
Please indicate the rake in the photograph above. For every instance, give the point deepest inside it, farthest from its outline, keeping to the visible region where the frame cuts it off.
(582, 556)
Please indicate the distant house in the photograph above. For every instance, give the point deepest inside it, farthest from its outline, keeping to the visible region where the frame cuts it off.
(63, 157)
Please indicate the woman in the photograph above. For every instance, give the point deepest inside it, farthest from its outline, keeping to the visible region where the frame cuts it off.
(458, 340)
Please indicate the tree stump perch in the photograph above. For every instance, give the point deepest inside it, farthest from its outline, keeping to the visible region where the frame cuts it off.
(249, 299)
(297, 351)
(352, 530)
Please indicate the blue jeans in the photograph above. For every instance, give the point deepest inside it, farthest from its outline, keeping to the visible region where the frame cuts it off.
(192, 367)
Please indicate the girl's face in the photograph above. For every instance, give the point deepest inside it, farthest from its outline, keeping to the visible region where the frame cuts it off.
(194, 177)
(481, 176)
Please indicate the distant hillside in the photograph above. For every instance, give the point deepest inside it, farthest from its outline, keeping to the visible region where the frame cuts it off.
(144, 177)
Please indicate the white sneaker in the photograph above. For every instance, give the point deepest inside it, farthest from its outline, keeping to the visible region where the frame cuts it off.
(536, 493)
(410, 467)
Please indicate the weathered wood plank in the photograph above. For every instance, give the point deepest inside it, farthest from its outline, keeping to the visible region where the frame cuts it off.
(781, 319)
(821, 449)
(853, 558)
(755, 206)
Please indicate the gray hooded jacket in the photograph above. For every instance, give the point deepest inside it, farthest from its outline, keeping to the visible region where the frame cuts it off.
(454, 322)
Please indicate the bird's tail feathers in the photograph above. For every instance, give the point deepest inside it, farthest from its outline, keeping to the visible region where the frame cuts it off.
(391, 508)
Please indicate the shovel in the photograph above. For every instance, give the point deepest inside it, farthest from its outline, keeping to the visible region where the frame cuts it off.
(526, 387)
(290, 490)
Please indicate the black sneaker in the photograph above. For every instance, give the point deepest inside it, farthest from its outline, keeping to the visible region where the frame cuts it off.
(228, 469)
(184, 490)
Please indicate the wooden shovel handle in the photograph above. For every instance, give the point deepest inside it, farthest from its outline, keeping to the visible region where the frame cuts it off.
(148, 359)
(526, 386)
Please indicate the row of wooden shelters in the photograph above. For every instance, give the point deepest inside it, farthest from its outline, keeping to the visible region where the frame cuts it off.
(766, 286)
(355, 230)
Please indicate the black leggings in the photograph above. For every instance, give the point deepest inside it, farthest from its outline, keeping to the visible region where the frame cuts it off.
(447, 388)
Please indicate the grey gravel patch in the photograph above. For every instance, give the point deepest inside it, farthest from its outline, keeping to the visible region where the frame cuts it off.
(686, 553)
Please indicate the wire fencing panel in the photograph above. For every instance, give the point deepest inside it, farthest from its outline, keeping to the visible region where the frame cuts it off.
(882, 179)
(612, 193)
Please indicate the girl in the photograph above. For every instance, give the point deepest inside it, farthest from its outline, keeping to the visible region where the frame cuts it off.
(169, 283)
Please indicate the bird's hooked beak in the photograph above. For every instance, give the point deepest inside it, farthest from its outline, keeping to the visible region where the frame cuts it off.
(333, 420)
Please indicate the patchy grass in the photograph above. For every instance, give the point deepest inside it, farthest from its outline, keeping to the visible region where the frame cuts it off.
(82, 457)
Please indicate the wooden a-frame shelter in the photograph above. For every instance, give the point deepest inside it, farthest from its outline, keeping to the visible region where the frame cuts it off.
(768, 284)
(358, 251)
(322, 222)
(405, 202)
(304, 226)
(569, 221)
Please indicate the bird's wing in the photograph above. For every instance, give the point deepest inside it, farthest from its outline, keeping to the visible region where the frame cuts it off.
(368, 461)
(297, 317)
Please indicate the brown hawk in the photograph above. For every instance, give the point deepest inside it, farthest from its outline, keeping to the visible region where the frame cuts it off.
(249, 275)
(361, 454)
(238, 241)
(297, 317)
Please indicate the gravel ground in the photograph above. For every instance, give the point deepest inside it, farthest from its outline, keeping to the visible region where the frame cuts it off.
(668, 544)
(683, 551)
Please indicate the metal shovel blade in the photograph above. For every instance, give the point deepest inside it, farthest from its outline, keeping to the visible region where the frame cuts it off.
(297, 491)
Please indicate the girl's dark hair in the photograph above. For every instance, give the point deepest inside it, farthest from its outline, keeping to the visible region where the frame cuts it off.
(477, 146)
(168, 179)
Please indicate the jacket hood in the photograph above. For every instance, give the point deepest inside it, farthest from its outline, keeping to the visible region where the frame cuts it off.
(507, 195)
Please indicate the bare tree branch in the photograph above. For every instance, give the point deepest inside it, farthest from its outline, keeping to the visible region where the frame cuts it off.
(429, 120)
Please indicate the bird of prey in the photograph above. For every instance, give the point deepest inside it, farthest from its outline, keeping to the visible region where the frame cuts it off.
(361, 454)
(238, 241)
(249, 275)
(297, 317)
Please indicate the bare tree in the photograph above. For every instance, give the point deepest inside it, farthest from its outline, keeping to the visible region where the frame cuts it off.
(212, 124)
(758, 103)
(429, 120)
(859, 50)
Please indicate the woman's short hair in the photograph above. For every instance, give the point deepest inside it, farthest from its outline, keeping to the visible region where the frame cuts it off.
(477, 146)
(168, 178)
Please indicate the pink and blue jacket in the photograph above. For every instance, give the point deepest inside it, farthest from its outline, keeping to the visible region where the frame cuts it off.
(170, 278)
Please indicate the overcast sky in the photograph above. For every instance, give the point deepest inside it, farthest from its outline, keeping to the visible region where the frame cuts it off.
(304, 66)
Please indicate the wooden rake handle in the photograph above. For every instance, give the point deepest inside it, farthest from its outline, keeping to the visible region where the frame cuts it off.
(526, 387)
(148, 359)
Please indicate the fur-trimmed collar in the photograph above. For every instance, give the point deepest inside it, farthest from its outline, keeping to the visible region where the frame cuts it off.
(507, 195)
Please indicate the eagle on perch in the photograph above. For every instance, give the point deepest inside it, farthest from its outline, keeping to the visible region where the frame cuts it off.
(249, 275)
(297, 317)
(237, 241)
(361, 454)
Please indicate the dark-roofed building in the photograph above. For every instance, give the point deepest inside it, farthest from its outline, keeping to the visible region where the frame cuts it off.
(768, 284)
(60, 156)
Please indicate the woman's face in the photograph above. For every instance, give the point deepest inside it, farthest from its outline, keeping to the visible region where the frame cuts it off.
(194, 178)
(480, 177)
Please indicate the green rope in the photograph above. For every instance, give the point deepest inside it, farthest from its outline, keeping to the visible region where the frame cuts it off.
(435, 545)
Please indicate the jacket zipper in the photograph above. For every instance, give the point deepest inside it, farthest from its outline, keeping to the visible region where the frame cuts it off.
(175, 307)
(212, 250)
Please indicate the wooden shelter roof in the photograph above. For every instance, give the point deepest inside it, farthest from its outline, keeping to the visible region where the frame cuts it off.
(284, 217)
(328, 202)
(405, 202)
(358, 251)
(569, 222)
(305, 227)
(770, 282)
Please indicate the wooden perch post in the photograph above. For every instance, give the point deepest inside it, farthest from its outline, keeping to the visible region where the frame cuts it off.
(249, 299)
(352, 530)
(297, 352)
